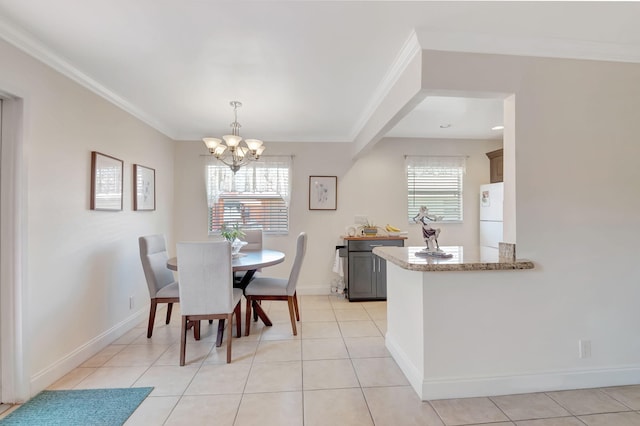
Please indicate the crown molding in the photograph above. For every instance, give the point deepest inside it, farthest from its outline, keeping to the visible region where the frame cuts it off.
(544, 47)
(31, 46)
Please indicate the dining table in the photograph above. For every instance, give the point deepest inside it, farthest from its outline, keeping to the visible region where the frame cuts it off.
(248, 262)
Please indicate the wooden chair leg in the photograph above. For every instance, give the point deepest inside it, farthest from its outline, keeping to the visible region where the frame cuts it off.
(152, 317)
(255, 311)
(220, 335)
(169, 308)
(229, 339)
(238, 314)
(196, 330)
(292, 314)
(247, 326)
(183, 340)
(295, 304)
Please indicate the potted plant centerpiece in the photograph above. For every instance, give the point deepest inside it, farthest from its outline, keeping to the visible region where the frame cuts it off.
(233, 235)
(369, 229)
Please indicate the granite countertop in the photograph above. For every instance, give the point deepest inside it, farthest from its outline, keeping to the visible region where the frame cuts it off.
(410, 258)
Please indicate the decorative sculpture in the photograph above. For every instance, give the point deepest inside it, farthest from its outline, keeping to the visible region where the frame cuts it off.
(430, 234)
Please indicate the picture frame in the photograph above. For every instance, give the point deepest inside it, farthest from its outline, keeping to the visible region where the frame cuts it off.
(323, 192)
(106, 182)
(144, 188)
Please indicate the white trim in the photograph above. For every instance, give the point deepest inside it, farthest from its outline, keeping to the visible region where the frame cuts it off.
(411, 372)
(13, 287)
(42, 379)
(544, 47)
(43, 53)
(469, 387)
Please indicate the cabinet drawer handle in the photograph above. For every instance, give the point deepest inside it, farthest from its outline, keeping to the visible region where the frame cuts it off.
(375, 245)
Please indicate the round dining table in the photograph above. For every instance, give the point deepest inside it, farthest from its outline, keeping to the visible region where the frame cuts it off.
(248, 261)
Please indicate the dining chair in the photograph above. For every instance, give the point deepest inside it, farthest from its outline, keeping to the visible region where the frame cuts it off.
(163, 288)
(268, 288)
(206, 288)
(254, 239)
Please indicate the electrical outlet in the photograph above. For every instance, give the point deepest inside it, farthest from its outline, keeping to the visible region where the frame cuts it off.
(584, 348)
(360, 220)
(131, 302)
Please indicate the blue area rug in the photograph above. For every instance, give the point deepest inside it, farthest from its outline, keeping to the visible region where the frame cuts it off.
(79, 407)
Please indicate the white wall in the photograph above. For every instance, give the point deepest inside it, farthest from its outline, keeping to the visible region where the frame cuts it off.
(577, 204)
(374, 185)
(81, 265)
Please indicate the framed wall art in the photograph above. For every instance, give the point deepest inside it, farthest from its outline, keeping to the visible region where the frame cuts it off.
(323, 192)
(106, 182)
(144, 188)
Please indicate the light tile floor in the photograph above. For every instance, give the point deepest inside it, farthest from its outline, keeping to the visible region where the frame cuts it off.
(337, 371)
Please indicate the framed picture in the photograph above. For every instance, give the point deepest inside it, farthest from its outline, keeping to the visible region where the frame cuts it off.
(323, 192)
(106, 182)
(144, 188)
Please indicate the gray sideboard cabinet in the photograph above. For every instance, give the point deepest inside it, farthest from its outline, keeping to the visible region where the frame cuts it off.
(367, 273)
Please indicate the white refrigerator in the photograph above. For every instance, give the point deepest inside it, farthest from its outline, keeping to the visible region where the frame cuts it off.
(491, 229)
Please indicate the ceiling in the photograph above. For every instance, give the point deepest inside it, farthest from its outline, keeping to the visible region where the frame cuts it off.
(304, 70)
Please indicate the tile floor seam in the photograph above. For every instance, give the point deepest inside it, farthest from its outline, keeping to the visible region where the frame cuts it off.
(436, 411)
(500, 409)
(588, 414)
(615, 399)
(560, 404)
(366, 402)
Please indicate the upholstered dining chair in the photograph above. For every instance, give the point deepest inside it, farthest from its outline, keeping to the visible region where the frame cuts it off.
(206, 288)
(253, 237)
(267, 288)
(163, 288)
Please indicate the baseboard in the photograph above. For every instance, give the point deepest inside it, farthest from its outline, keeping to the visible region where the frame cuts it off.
(411, 372)
(547, 381)
(44, 378)
(529, 383)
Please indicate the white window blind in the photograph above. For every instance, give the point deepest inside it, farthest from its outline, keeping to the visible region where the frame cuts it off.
(435, 182)
(256, 197)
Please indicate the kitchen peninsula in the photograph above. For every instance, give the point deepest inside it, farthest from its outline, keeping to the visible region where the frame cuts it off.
(447, 319)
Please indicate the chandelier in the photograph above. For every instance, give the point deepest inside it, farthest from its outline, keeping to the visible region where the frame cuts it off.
(230, 152)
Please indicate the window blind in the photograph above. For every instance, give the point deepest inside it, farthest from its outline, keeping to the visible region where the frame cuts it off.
(435, 182)
(256, 197)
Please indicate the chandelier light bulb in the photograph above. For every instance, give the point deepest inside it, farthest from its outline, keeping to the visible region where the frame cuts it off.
(220, 149)
(253, 144)
(212, 143)
(232, 140)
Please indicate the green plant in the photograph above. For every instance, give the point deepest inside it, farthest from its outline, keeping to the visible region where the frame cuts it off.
(231, 233)
(369, 224)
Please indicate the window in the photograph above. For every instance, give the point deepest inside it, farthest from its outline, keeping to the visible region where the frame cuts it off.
(257, 197)
(435, 182)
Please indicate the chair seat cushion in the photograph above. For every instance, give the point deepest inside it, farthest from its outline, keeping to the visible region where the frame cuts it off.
(169, 291)
(266, 286)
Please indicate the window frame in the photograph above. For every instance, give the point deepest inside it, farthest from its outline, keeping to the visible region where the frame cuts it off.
(449, 184)
(258, 183)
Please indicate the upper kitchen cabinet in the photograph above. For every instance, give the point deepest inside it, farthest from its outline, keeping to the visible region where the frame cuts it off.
(495, 165)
